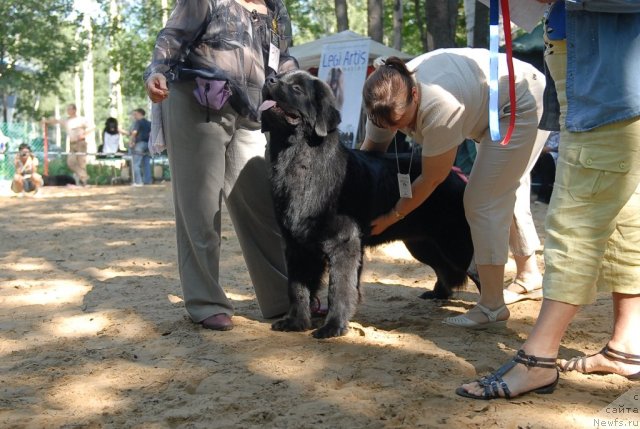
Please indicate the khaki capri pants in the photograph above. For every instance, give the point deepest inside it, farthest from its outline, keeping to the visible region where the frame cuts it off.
(499, 186)
(593, 222)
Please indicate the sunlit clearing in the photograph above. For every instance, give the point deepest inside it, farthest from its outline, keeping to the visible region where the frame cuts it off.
(288, 364)
(117, 243)
(49, 292)
(239, 296)
(31, 265)
(125, 266)
(597, 419)
(395, 250)
(78, 219)
(399, 281)
(88, 396)
(173, 299)
(384, 338)
(153, 224)
(79, 326)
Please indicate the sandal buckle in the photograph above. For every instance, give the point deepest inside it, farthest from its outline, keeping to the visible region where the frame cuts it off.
(525, 359)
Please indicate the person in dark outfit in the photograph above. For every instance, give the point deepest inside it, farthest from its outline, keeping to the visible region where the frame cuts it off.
(139, 145)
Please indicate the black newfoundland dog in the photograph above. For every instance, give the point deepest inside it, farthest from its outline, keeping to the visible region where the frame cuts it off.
(326, 196)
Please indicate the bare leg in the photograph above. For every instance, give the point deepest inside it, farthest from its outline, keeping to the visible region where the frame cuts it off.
(18, 184)
(526, 266)
(526, 271)
(491, 279)
(626, 314)
(544, 341)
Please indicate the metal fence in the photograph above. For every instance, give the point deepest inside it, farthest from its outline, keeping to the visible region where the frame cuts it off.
(102, 169)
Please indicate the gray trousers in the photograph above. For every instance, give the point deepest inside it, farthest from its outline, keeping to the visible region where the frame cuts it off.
(209, 161)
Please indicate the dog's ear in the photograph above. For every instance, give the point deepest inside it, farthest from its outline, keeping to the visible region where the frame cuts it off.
(327, 116)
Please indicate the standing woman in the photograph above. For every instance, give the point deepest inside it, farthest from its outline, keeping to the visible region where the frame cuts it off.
(440, 99)
(215, 146)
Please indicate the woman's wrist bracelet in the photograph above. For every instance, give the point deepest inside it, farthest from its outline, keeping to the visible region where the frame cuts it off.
(396, 214)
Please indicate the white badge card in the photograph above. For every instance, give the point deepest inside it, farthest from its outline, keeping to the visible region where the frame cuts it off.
(404, 184)
(274, 52)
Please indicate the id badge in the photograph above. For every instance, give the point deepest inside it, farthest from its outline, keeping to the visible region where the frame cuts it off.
(404, 184)
(274, 51)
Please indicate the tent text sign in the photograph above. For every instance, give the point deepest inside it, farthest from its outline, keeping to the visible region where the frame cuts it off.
(343, 66)
(346, 59)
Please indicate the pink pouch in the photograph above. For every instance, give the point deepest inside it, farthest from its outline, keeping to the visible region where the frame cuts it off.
(212, 93)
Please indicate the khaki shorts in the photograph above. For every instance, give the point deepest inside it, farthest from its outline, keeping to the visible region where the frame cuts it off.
(593, 221)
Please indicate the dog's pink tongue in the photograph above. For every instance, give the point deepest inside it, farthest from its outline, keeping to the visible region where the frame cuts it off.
(266, 105)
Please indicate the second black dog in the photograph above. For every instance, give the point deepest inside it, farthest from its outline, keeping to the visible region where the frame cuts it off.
(326, 196)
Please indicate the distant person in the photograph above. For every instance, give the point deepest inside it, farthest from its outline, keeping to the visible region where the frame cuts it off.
(26, 177)
(111, 140)
(77, 129)
(4, 142)
(139, 145)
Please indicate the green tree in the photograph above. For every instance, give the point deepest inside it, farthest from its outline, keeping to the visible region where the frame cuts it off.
(40, 40)
(131, 36)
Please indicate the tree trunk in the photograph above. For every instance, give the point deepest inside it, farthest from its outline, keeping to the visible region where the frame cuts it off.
(342, 15)
(87, 88)
(5, 115)
(481, 26)
(469, 17)
(375, 20)
(77, 90)
(165, 11)
(115, 89)
(419, 14)
(441, 23)
(3, 95)
(56, 114)
(398, 17)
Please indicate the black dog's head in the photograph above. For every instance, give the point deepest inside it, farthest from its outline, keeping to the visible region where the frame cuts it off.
(297, 99)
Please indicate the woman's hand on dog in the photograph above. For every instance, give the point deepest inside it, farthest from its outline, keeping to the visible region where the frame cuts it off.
(379, 224)
(156, 86)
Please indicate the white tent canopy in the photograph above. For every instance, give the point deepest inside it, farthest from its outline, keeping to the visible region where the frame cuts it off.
(308, 54)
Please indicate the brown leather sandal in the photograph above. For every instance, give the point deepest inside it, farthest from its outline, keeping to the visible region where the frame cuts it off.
(579, 363)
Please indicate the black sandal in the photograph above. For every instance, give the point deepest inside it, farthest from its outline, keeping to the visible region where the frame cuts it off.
(579, 363)
(492, 383)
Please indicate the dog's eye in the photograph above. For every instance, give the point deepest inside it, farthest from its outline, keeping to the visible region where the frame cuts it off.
(298, 89)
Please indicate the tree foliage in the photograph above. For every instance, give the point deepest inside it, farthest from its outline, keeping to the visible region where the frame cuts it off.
(313, 19)
(132, 34)
(41, 43)
(40, 40)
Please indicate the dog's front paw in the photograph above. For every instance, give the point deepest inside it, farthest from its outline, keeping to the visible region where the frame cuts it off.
(439, 292)
(289, 324)
(329, 331)
(429, 295)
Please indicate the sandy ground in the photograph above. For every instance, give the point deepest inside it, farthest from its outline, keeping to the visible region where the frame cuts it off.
(93, 334)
